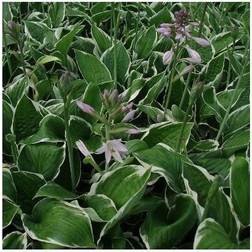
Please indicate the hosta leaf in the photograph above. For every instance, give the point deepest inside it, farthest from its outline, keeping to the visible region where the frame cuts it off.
(15, 240)
(38, 31)
(146, 42)
(121, 184)
(57, 13)
(9, 188)
(10, 209)
(199, 180)
(69, 227)
(218, 207)
(163, 229)
(209, 97)
(214, 68)
(168, 164)
(101, 38)
(137, 182)
(240, 192)
(91, 68)
(47, 59)
(64, 43)
(53, 190)
(17, 90)
(168, 133)
(238, 119)
(27, 184)
(211, 235)
(26, 118)
(221, 41)
(237, 141)
(122, 61)
(103, 206)
(163, 16)
(51, 129)
(42, 158)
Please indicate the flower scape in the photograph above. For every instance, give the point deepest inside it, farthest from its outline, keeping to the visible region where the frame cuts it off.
(126, 125)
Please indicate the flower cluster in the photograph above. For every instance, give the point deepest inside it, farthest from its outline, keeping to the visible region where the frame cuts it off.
(115, 110)
(181, 30)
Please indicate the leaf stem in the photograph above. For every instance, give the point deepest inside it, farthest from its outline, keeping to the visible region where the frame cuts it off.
(7, 54)
(69, 140)
(202, 19)
(185, 89)
(168, 90)
(183, 127)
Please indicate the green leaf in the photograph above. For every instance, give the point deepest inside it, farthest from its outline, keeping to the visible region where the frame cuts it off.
(146, 43)
(240, 192)
(9, 188)
(39, 32)
(17, 90)
(163, 16)
(26, 118)
(27, 184)
(209, 97)
(51, 129)
(43, 158)
(168, 164)
(211, 235)
(162, 229)
(57, 13)
(102, 205)
(121, 184)
(46, 59)
(64, 43)
(238, 119)
(132, 181)
(15, 240)
(199, 180)
(101, 38)
(122, 61)
(53, 190)
(168, 133)
(132, 92)
(69, 227)
(92, 69)
(218, 207)
(214, 69)
(10, 209)
(237, 141)
(221, 41)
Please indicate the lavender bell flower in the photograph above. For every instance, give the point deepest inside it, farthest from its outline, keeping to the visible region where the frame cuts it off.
(129, 116)
(113, 148)
(194, 56)
(85, 107)
(201, 41)
(167, 58)
(82, 148)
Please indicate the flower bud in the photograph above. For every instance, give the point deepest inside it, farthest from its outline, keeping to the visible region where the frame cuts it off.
(202, 42)
(113, 98)
(85, 107)
(65, 82)
(196, 91)
(167, 58)
(13, 27)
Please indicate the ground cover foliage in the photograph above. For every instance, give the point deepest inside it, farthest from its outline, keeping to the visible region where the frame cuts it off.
(126, 125)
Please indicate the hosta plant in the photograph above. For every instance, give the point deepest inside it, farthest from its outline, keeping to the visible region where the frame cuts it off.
(126, 125)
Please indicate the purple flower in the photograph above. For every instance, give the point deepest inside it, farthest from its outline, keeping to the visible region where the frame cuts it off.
(113, 148)
(85, 107)
(167, 58)
(201, 41)
(194, 57)
(128, 107)
(164, 30)
(129, 116)
(82, 148)
(187, 69)
(133, 131)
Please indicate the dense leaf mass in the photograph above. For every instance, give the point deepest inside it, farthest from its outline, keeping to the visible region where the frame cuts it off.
(126, 125)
